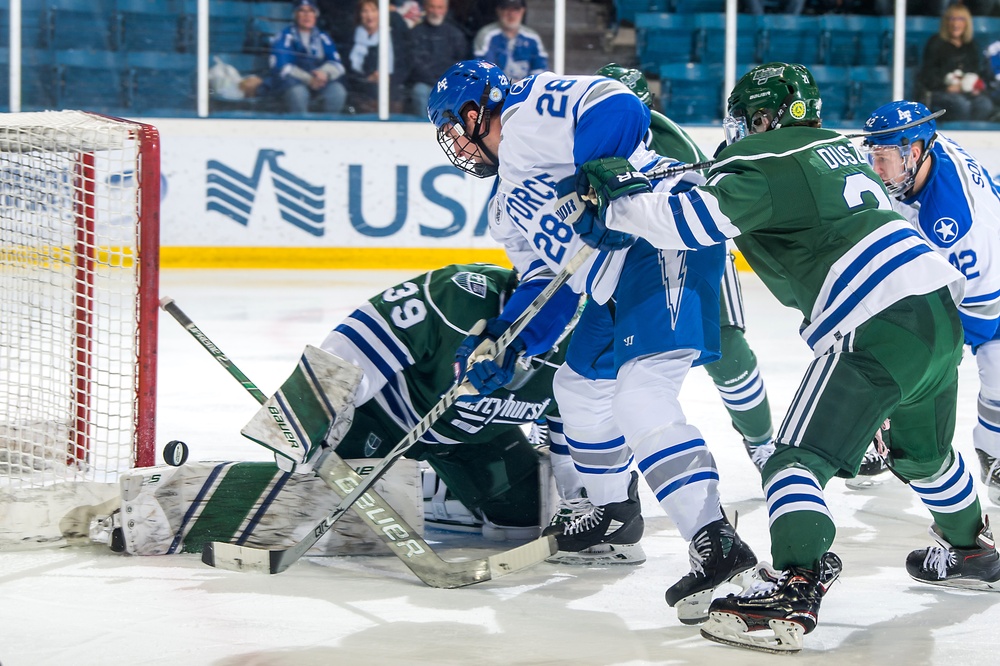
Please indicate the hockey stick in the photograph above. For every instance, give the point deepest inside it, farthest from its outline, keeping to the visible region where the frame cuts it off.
(282, 559)
(681, 168)
(373, 510)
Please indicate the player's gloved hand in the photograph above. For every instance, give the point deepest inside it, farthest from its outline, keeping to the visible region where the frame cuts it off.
(599, 182)
(583, 216)
(485, 373)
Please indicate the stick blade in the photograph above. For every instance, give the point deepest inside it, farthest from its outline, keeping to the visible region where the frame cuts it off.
(522, 557)
(231, 557)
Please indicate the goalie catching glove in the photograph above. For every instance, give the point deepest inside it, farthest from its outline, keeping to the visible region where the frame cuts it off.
(313, 408)
(598, 183)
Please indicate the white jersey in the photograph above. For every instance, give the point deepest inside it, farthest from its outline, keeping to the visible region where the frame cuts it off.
(958, 213)
(551, 125)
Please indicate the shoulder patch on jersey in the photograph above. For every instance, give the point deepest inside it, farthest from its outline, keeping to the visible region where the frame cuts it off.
(946, 231)
(474, 283)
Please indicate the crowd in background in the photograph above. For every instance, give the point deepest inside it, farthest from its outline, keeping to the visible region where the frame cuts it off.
(327, 59)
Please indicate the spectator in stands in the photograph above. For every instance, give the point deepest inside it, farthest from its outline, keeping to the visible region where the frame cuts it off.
(305, 66)
(472, 15)
(436, 44)
(773, 6)
(363, 73)
(513, 47)
(953, 70)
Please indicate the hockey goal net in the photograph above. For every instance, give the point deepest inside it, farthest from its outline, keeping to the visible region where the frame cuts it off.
(79, 258)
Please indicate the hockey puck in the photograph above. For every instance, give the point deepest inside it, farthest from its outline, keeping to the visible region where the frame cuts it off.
(175, 453)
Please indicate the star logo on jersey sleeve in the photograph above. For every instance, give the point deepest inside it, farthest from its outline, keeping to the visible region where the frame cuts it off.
(946, 230)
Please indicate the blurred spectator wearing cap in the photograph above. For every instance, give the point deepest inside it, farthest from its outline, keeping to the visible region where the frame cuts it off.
(953, 70)
(436, 44)
(305, 66)
(513, 47)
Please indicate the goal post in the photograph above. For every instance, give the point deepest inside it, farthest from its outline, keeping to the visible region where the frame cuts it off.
(79, 272)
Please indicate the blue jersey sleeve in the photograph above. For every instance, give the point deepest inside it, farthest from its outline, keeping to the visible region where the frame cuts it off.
(611, 128)
(543, 331)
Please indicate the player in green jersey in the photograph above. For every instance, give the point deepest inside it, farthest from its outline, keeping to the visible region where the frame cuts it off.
(735, 374)
(817, 226)
(404, 342)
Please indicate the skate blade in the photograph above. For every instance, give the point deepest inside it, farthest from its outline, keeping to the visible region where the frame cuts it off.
(693, 609)
(971, 585)
(730, 629)
(865, 482)
(605, 553)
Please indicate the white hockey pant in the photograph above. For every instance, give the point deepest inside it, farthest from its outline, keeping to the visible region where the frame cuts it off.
(608, 423)
(986, 434)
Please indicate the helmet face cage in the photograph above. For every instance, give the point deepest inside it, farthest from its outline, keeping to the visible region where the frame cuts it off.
(888, 152)
(476, 84)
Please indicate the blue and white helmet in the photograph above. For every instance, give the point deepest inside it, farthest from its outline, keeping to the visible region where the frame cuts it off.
(470, 82)
(887, 144)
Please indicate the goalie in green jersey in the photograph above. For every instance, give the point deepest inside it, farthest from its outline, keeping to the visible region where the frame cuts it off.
(879, 306)
(480, 471)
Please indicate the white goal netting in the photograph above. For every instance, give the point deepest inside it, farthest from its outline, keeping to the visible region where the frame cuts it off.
(78, 280)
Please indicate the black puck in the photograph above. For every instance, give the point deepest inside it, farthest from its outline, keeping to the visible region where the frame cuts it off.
(175, 453)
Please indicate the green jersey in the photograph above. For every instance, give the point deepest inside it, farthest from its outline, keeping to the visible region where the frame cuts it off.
(671, 141)
(405, 339)
(812, 220)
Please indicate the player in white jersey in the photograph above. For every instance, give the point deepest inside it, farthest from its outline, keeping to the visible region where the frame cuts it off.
(952, 201)
(650, 314)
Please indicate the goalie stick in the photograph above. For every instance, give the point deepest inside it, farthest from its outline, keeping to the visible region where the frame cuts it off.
(373, 510)
(681, 168)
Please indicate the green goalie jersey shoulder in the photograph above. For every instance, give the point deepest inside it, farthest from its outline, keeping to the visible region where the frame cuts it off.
(670, 141)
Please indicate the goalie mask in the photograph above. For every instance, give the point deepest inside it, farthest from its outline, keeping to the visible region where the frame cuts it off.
(633, 79)
(889, 153)
(769, 97)
(470, 84)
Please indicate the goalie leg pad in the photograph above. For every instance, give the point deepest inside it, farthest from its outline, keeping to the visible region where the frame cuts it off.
(314, 407)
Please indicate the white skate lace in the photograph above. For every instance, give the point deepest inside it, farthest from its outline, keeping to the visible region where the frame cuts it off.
(768, 580)
(938, 560)
(587, 521)
(760, 454)
(570, 509)
(993, 475)
(699, 550)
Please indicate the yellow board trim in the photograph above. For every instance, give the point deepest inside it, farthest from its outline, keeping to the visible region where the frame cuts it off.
(310, 258)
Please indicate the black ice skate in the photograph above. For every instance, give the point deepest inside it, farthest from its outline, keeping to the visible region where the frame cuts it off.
(989, 468)
(784, 602)
(606, 534)
(874, 470)
(718, 556)
(976, 568)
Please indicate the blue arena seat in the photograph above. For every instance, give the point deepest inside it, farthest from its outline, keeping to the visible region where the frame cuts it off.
(872, 88)
(710, 38)
(836, 90)
(664, 38)
(229, 25)
(89, 80)
(786, 38)
(78, 24)
(157, 80)
(153, 25)
(691, 93)
(628, 9)
(699, 6)
(855, 40)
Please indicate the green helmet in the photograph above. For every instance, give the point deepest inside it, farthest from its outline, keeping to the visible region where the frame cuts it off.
(632, 78)
(771, 96)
